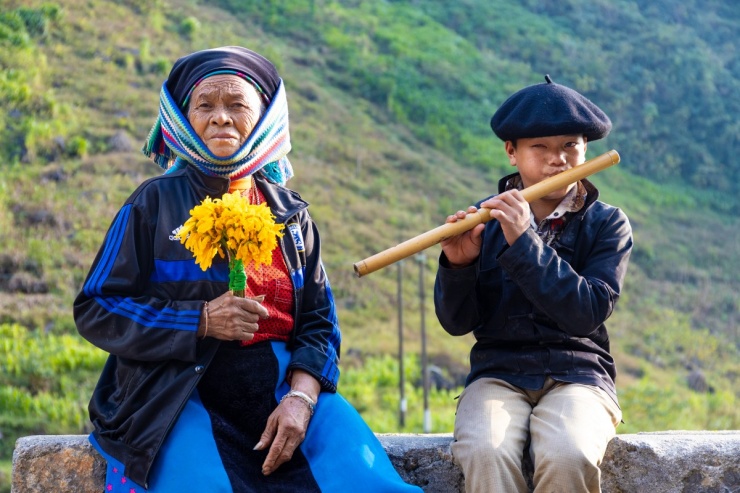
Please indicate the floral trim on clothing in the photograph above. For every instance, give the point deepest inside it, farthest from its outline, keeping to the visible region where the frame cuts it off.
(117, 482)
(115, 479)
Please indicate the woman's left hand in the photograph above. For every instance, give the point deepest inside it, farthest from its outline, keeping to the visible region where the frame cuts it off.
(287, 425)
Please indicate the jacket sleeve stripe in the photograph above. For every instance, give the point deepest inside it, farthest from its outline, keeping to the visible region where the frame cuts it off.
(149, 317)
(330, 370)
(335, 338)
(298, 275)
(187, 270)
(110, 251)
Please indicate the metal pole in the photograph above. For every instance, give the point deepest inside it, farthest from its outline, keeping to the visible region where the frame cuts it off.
(421, 258)
(401, 379)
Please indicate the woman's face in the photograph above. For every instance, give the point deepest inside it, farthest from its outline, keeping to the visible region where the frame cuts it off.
(223, 111)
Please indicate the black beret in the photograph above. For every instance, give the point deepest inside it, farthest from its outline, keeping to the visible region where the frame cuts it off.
(546, 109)
(191, 68)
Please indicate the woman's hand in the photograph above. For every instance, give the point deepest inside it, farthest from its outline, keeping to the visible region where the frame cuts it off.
(463, 249)
(287, 425)
(231, 318)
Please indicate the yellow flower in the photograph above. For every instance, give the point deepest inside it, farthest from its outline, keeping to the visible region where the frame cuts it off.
(231, 226)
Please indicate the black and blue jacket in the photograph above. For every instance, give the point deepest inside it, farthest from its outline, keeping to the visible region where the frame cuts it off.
(538, 310)
(142, 299)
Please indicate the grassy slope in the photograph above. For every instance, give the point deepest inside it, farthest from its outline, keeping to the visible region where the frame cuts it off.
(359, 183)
(371, 184)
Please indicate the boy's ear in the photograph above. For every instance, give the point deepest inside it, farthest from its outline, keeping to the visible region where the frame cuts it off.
(510, 152)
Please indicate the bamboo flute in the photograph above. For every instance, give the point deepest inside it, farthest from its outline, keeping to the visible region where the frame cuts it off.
(482, 215)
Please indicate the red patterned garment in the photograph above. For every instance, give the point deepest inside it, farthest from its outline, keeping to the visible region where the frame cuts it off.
(273, 281)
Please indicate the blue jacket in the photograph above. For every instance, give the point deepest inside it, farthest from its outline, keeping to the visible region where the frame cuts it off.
(537, 310)
(142, 299)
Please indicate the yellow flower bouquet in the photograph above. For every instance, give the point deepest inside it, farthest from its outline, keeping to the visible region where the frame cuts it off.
(231, 227)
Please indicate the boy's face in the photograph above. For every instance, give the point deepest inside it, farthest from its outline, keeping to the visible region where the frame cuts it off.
(541, 157)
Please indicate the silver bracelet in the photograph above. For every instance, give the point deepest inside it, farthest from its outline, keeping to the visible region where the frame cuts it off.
(302, 396)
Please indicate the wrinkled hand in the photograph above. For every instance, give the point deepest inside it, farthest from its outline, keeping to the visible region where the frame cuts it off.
(231, 318)
(512, 211)
(285, 431)
(462, 250)
(287, 425)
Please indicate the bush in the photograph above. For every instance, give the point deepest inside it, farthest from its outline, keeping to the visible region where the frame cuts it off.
(46, 381)
(189, 27)
(161, 66)
(77, 147)
(373, 389)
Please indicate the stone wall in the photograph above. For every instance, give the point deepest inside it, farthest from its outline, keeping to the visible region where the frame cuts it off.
(667, 462)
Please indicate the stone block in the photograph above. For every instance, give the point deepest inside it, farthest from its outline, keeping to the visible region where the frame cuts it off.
(665, 462)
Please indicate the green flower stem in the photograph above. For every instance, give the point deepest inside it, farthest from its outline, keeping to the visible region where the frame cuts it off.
(237, 278)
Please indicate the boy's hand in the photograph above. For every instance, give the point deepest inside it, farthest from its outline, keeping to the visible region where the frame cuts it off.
(512, 211)
(463, 249)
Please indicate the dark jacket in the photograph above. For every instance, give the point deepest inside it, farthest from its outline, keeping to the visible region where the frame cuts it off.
(142, 300)
(539, 310)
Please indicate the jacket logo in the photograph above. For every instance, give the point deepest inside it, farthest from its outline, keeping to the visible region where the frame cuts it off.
(295, 232)
(175, 236)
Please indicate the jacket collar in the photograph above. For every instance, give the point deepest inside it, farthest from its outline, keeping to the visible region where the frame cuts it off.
(284, 203)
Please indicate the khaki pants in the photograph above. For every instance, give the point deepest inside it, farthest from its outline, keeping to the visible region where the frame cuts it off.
(569, 424)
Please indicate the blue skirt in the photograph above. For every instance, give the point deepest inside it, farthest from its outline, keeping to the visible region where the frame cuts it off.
(210, 447)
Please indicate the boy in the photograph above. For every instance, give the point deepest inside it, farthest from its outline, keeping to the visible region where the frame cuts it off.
(535, 287)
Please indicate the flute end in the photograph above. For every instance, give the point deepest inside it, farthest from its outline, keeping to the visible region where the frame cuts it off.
(614, 156)
(358, 270)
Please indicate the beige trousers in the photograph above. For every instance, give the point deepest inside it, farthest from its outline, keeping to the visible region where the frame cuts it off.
(569, 425)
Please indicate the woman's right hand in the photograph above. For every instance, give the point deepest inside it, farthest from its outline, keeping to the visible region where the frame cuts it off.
(231, 318)
(463, 249)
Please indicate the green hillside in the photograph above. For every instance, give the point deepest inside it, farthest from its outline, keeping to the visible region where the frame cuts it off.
(389, 103)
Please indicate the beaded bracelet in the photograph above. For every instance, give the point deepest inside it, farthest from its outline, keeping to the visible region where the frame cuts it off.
(297, 393)
(205, 309)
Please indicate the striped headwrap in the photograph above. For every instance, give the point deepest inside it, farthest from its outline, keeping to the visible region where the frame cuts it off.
(172, 138)
(268, 144)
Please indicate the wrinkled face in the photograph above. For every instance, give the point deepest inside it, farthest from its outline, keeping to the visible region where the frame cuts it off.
(223, 111)
(541, 157)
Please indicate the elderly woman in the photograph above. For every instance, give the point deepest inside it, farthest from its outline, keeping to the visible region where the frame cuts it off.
(204, 390)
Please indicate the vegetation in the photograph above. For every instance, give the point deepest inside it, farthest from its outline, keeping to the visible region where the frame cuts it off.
(390, 103)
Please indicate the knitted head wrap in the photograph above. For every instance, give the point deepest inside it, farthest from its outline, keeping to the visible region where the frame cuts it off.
(173, 138)
(191, 68)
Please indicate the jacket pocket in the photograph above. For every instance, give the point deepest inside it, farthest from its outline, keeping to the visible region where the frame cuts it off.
(283, 295)
(117, 382)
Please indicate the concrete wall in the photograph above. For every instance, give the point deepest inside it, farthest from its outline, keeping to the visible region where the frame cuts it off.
(668, 462)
